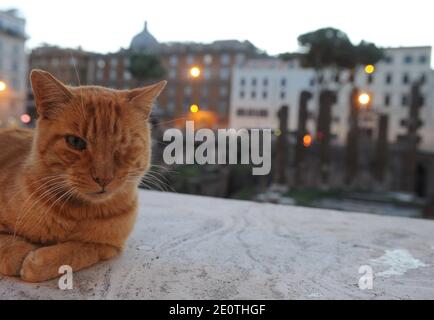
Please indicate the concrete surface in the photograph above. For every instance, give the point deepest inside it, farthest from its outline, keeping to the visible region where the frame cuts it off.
(187, 247)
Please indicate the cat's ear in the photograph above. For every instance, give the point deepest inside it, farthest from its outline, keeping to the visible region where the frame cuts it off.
(50, 94)
(144, 97)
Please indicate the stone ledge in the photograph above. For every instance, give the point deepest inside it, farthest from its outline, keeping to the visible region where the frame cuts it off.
(189, 247)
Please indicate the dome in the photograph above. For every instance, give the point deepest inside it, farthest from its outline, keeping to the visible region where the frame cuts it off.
(144, 42)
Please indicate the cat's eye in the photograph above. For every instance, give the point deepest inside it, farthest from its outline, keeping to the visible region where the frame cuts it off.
(75, 142)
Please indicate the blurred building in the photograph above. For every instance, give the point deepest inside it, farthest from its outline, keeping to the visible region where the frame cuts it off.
(261, 87)
(198, 74)
(13, 67)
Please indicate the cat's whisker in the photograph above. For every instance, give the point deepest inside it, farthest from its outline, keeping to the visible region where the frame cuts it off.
(83, 111)
(149, 174)
(50, 192)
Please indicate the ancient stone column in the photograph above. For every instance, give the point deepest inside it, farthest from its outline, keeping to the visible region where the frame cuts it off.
(352, 147)
(382, 148)
(282, 147)
(326, 101)
(300, 150)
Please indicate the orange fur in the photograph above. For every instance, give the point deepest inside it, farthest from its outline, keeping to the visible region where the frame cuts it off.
(64, 206)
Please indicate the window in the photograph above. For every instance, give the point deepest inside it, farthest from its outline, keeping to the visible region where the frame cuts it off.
(113, 75)
(190, 59)
(423, 78)
(283, 82)
(101, 63)
(387, 100)
(253, 95)
(15, 66)
(225, 59)
(15, 84)
(127, 76)
(223, 91)
(423, 59)
(408, 59)
(254, 82)
(114, 62)
(241, 112)
(173, 61)
(240, 58)
(99, 75)
(265, 82)
(55, 62)
(205, 91)
(207, 74)
(282, 95)
(370, 79)
(172, 74)
(242, 94)
(264, 94)
(388, 59)
(187, 90)
(421, 101)
(404, 100)
(16, 49)
(170, 108)
(389, 78)
(222, 107)
(225, 73)
(207, 59)
(405, 79)
(243, 81)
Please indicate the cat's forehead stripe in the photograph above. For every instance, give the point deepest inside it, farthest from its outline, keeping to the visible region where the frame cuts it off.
(102, 115)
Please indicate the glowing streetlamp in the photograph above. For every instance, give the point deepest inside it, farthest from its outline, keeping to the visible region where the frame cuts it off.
(370, 69)
(194, 108)
(277, 132)
(307, 140)
(364, 99)
(195, 72)
(3, 86)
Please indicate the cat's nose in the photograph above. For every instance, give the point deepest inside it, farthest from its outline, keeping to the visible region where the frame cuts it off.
(103, 180)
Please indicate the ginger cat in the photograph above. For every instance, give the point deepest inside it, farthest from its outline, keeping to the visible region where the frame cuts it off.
(69, 188)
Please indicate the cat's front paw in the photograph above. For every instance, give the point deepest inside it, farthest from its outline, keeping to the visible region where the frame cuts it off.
(13, 251)
(39, 265)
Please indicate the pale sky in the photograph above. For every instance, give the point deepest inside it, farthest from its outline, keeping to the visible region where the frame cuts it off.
(272, 25)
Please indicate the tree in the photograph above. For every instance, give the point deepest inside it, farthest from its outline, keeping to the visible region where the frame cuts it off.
(145, 67)
(331, 49)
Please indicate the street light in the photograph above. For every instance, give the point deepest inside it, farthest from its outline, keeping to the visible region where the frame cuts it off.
(364, 99)
(195, 72)
(194, 108)
(370, 69)
(3, 86)
(307, 140)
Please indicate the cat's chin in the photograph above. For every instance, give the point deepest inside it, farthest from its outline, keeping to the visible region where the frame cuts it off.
(97, 197)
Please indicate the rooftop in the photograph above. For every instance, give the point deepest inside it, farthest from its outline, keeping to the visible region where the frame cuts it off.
(190, 247)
